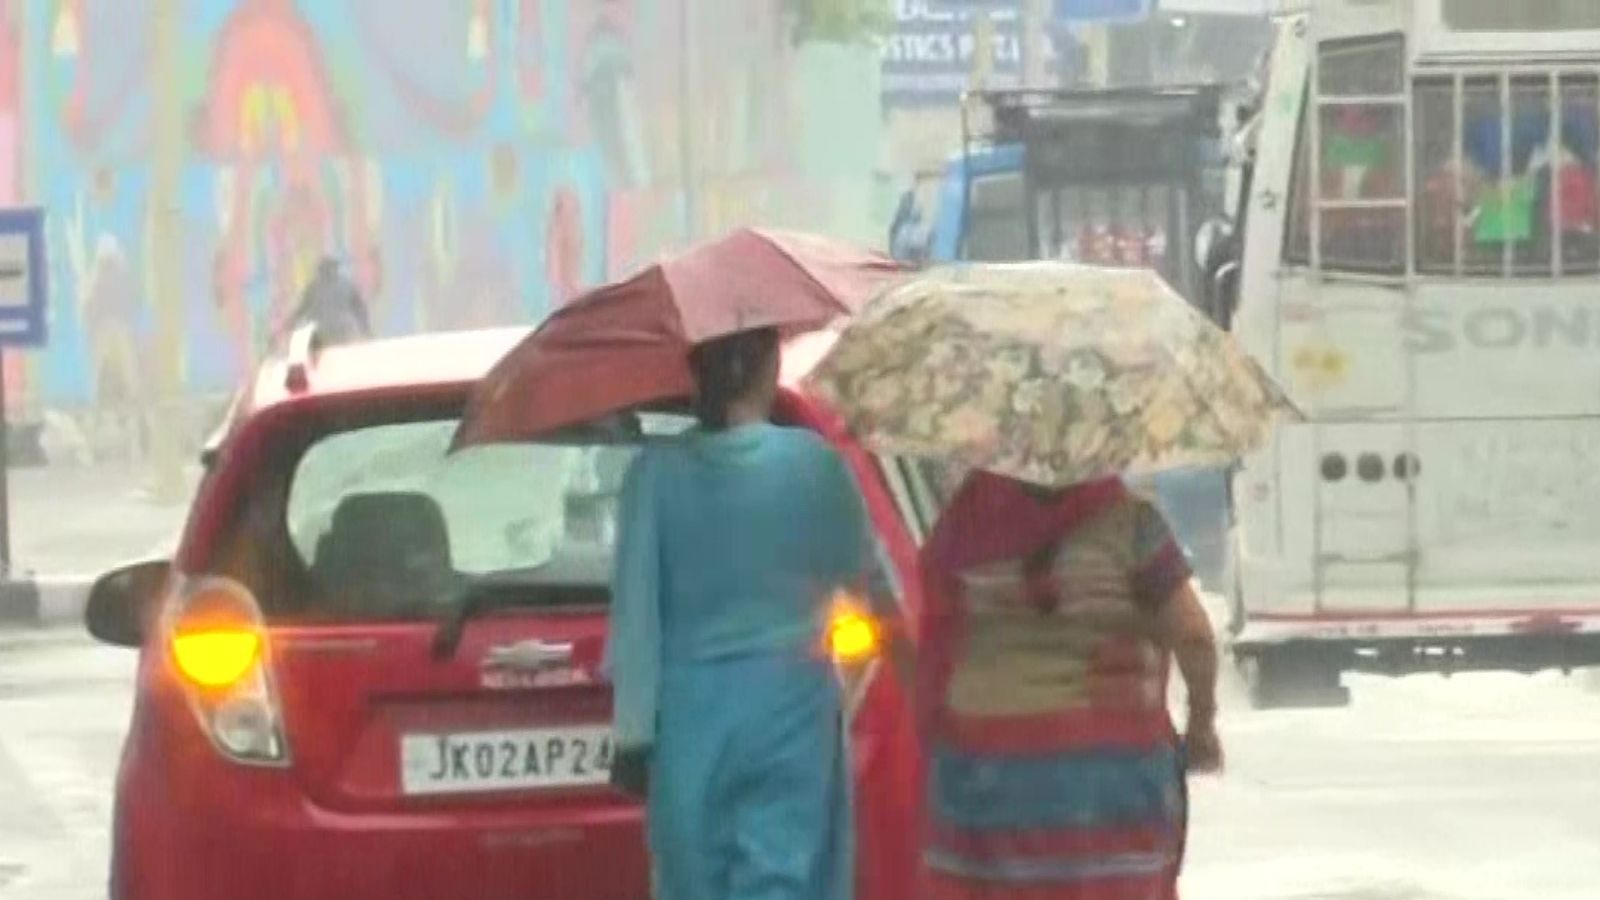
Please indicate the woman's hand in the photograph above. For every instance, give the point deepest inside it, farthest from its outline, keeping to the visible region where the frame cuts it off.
(630, 771)
(1203, 750)
(1184, 629)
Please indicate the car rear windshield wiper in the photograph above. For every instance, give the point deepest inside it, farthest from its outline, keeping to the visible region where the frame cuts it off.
(473, 599)
(505, 591)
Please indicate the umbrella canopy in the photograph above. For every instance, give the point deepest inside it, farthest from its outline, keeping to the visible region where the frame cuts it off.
(626, 345)
(1046, 372)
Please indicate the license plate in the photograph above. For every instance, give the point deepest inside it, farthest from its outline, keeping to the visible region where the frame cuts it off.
(485, 761)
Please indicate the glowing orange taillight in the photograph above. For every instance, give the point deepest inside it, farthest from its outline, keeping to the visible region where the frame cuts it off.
(216, 659)
(216, 639)
(218, 646)
(853, 635)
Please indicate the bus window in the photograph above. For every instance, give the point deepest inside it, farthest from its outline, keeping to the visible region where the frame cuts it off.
(1502, 194)
(1502, 15)
(997, 226)
(1362, 159)
(1442, 186)
(1360, 109)
(1362, 68)
(1577, 184)
(1529, 176)
(1481, 143)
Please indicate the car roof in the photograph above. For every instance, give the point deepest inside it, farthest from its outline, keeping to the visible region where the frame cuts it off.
(436, 360)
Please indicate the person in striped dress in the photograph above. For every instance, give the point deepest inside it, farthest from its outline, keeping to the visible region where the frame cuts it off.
(1054, 769)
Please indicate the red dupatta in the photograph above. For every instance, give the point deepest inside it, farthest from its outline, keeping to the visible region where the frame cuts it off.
(992, 518)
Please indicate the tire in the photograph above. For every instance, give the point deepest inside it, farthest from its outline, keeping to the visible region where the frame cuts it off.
(1289, 679)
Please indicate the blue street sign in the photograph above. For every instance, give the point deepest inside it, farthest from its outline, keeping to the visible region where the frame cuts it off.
(1075, 11)
(24, 282)
(928, 56)
(1065, 12)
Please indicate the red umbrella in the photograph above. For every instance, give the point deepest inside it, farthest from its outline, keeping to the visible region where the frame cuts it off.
(626, 344)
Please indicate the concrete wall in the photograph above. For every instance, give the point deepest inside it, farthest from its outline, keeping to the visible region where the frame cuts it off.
(474, 161)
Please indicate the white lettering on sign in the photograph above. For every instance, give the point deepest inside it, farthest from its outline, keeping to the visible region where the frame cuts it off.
(943, 48)
(921, 48)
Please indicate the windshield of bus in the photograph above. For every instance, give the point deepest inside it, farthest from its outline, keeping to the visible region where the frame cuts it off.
(1504, 179)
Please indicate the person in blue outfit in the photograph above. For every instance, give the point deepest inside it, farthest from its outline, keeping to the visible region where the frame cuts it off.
(733, 541)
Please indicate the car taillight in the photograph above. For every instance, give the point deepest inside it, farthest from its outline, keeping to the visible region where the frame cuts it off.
(218, 646)
(854, 636)
(216, 659)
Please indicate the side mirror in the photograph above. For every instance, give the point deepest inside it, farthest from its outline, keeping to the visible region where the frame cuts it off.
(1225, 290)
(1211, 241)
(123, 602)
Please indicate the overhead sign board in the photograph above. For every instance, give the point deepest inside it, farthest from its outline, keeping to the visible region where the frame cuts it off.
(23, 278)
(1087, 11)
(1219, 7)
(1069, 12)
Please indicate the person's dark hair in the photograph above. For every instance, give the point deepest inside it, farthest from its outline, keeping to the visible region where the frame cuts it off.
(725, 369)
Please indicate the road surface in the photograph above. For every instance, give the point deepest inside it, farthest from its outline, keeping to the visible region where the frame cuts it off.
(64, 705)
(1477, 788)
(82, 521)
(1480, 788)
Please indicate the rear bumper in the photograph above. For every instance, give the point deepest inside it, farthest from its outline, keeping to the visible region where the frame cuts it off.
(1268, 628)
(190, 826)
(1447, 643)
(1274, 603)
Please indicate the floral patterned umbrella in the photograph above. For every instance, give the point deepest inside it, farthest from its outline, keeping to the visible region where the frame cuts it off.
(1047, 372)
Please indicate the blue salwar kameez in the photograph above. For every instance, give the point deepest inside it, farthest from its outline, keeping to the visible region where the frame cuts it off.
(731, 547)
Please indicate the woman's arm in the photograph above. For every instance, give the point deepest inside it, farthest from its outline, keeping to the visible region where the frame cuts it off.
(633, 640)
(1165, 587)
(1184, 629)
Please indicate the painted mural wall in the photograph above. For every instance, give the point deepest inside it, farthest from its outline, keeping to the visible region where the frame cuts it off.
(473, 162)
(11, 152)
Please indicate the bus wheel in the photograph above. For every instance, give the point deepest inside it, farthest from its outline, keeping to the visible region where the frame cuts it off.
(1290, 679)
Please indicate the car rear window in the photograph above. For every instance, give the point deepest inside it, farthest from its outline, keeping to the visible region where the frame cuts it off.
(378, 520)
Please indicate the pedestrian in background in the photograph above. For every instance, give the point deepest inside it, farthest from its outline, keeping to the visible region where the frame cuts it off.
(333, 303)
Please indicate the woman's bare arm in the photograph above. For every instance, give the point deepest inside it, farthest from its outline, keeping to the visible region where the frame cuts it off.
(1184, 629)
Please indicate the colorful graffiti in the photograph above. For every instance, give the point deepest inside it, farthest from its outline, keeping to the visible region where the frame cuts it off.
(10, 103)
(10, 167)
(472, 162)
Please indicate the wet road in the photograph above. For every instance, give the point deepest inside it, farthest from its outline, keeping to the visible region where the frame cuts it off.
(64, 705)
(1481, 788)
(1478, 788)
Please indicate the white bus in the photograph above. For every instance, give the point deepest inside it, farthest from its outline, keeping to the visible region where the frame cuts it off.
(1421, 269)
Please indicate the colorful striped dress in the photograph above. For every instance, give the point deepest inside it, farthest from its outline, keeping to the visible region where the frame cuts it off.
(1054, 770)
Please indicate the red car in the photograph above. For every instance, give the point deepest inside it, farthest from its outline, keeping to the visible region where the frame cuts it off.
(372, 669)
